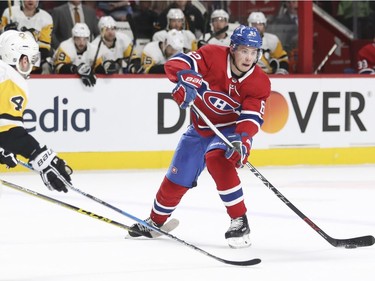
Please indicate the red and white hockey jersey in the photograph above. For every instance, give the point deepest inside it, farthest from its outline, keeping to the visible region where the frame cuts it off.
(225, 99)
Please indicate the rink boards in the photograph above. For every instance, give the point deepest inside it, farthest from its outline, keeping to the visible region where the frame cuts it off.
(128, 122)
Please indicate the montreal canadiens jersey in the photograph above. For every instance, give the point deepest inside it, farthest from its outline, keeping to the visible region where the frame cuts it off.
(41, 22)
(189, 38)
(272, 49)
(221, 42)
(13, 97)
(226, 100)
(67, 54)
(366, 59)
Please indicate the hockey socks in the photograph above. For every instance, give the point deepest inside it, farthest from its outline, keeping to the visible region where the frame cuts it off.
(166, 201)
(227, 182)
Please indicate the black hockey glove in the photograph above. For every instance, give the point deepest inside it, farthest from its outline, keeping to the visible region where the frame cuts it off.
(87, 75)
(11, 26)
(111, 67)
(135, 66)
(53, 170)
(8, 158)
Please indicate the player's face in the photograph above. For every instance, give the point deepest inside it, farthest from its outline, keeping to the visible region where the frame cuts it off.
(175, 24)
(109, 33)
(80, 43)
(30, 4)
(219, 23)
(24, 64)
(260, 26)
(243, 59)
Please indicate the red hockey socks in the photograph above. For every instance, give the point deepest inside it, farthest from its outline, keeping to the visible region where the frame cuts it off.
(166, 201)
(227, 182)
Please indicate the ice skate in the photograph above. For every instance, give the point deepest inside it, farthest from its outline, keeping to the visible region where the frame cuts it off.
(167, 227)
(140, 229)
(237, 234)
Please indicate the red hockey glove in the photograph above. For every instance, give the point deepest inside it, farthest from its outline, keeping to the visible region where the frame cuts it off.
(241, 149)
(185, 91)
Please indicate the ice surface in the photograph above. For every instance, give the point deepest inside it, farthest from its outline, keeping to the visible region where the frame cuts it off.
(44, 242)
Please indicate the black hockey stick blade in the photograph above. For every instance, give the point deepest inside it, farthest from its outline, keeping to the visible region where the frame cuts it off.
(351, 243)
(242, 263)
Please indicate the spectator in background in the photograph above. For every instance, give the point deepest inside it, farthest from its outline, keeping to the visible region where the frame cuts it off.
(77, 55)
(274, 59)
(288, 13)
(366, 59)
(193, 17)
(362, 12)
(29, 18)
(118, 10)
(116, 49)
(176, 20)
(145, 19)
(156, 53)
(219, 27)
(67, 15)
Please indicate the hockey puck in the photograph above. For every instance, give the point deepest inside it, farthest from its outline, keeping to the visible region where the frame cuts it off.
(350, 246)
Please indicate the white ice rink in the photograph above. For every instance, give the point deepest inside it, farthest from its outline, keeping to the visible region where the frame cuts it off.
(40, 241)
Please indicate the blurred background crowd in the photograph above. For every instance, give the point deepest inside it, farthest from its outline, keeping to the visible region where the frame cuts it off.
(109, 37)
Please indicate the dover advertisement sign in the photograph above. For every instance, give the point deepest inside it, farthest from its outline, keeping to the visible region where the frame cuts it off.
(138, 114)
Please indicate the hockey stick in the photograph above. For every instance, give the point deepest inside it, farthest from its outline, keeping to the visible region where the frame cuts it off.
(10, 11)
(63, 204)
(157, 229)
(362, 241)
(325, 58)
(214, 34)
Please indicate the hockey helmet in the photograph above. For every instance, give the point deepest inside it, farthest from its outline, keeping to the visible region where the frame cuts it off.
(175, 14)
(106, 21)
(219, 14)
(14, 45)
(257, 17)
(81, 30)
(247, 36)
(175, 39)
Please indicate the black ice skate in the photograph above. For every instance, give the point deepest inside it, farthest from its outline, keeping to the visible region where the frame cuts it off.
(237, 234)
(140, 229)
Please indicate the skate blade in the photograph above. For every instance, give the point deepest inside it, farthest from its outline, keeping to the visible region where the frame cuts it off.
(239, 242)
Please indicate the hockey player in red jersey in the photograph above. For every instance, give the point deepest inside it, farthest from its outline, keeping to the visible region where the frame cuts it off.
(366, 59)
(231, 90)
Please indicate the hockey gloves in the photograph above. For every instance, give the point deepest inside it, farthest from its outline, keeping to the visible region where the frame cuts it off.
(185, 91)
(87, 74)
(111, 67)
(8, 158)
(53, 170)
(241, 149)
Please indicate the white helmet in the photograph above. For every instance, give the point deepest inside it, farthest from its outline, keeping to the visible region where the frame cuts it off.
(175, 14)
(175, 39)
(257, 17)
(219, 14)
(15, 44)
(81, 30)
(106, 21)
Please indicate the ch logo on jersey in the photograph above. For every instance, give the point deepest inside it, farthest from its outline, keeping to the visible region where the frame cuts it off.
(220, 103)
